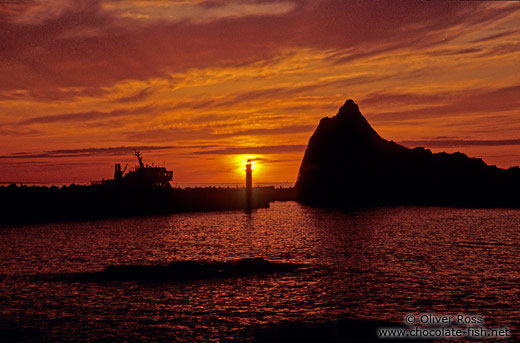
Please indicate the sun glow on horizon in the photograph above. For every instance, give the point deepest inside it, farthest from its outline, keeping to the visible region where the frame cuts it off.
(242, 160)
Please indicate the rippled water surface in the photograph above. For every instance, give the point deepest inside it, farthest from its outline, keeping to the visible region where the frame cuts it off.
(376, 264)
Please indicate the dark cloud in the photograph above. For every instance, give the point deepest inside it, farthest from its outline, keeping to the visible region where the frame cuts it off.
(450, 143)
(86, 116)
(19, 131)
(459, 103)
(268, 131)
(271, 93)
(107, 151)
(451, 52)
(286, 92)
(141, 95)
(390, 99)
(186, 133)
(168, 134)
(84, 45)
(495, 36)
(272, 149)
(501, 49)
(53, 94)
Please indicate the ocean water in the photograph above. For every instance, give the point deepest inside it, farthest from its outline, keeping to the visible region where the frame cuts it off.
(376, 264)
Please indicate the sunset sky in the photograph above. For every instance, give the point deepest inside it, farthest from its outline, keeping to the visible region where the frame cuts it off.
(202, 85)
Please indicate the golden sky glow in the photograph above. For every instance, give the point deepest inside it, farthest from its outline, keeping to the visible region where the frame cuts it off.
(199, 85)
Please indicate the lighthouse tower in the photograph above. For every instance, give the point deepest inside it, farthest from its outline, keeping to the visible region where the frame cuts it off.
(249, 185)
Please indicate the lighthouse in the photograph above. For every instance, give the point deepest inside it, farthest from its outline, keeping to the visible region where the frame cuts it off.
(249, 185)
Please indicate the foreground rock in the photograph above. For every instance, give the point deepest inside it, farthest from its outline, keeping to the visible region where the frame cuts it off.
(347, 164)
(185, 271)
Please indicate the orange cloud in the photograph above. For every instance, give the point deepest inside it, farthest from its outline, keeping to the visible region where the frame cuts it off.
(230, 76)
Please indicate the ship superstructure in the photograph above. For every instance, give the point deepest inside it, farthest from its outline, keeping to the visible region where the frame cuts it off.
(142, 175)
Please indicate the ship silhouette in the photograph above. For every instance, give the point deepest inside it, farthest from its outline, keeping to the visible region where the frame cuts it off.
(142, 175)
(144, 190)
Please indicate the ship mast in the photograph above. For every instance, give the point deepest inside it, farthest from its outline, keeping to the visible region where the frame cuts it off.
(140, 159)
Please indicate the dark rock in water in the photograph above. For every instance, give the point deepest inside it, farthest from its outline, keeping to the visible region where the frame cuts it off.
(347, 164)
(186, 270)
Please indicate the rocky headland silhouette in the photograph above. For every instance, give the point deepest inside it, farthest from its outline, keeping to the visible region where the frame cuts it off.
(348, 164)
